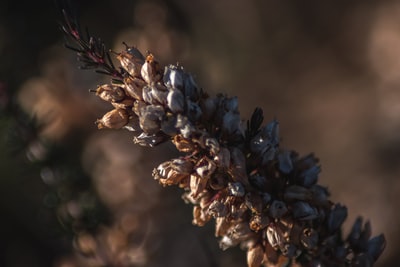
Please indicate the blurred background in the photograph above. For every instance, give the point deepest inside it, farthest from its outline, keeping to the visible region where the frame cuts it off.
(71, 195)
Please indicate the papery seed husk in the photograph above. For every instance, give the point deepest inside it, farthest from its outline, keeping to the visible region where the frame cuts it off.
(150, 140)
(254, 202)
(198, 218)
(255, 256)
(205, 167)
(274, 236)
(183, 144)
(259, 222)
(212, 145)
(127, 104)
(218, 181)
(114, 119)
(151, 71)
(138, 107)
(271, 255)
(134, 87)
(227, 242)
(172, 172)
(217, 209)
(197, 184)
(236, 189)
(110, 93)
(221, 226)
(131, 64)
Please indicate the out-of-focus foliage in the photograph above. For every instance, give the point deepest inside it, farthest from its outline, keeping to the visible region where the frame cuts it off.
(327, 71)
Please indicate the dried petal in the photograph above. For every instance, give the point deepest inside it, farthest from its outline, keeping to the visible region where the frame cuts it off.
(227, 242)
(221, 226)
(172, 172)
(254, 202)
(197, 184)
(236, 189)
(134, 87)
(138, 107)
(275, 236)
(127, 104)
(151, 140)
(131, 60)
(217, 209)
(110, 93)
(255, 256)
(205, 167)
(114, 119)
(151, 70)
(259, 222)
(199, 217)
(212, 145)
(183, 144)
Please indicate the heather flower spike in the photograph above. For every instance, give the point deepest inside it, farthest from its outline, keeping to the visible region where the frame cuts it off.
(262, 197)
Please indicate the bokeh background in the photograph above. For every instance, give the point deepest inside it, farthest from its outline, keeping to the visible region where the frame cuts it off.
(71, 195)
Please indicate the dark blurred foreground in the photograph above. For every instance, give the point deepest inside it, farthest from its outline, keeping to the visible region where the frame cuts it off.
(327, 71)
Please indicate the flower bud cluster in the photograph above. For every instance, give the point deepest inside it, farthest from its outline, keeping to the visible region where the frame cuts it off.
(261, 197)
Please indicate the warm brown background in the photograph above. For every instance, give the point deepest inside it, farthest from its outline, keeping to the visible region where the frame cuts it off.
(329, 71)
